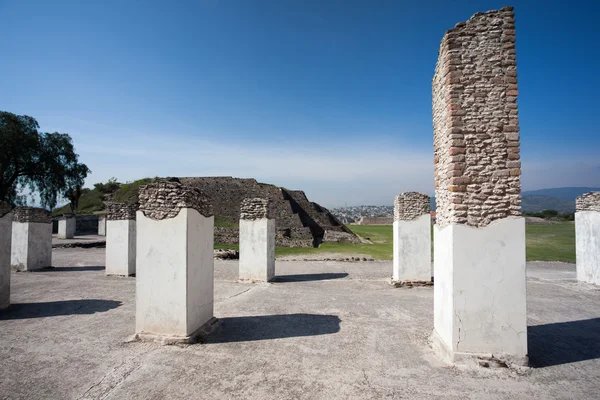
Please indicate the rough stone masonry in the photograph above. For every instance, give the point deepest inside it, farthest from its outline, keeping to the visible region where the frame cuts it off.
(476, 125)
(588, 202)
(410, 205)
(165, 199)
(32, 214)
(256, 208)
(121, 211)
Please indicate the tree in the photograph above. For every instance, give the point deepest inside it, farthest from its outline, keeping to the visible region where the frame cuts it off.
(46, 163)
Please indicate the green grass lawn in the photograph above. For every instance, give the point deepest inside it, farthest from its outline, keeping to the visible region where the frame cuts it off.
(555, 242)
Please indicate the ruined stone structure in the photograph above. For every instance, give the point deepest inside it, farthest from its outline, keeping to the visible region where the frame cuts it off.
(480, 295)
(5, 239)
(31, 239)
(174, 252)
(375, 221)
(300, 223)
(66, 226)
(257, 241)
(410, 205)
(587, 237)
(412, 240)
(121, 239)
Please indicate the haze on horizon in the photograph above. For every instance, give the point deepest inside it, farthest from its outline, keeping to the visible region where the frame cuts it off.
(333, 98)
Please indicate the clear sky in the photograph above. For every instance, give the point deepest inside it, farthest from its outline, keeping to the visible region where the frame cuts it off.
(331, 97)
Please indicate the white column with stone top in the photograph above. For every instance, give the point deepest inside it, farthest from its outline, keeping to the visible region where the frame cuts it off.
(412, 240)
(31, 239)
(480, 297)
(66, 227)
(175, 266)
(257, 241)
(587, 237)
(102, 225)
(120, 239)
(5, 239)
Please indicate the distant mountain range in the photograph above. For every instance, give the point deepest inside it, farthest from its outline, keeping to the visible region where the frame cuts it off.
(559, 199)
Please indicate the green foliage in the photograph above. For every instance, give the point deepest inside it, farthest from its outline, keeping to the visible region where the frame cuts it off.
(552, 215)
(109, 187)
(128, 192)
(46, 163)
(225, 222)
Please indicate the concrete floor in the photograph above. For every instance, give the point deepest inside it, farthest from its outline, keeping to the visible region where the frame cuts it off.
(325, 330)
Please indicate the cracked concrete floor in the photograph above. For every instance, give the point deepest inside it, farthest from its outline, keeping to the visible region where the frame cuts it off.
(325, 330)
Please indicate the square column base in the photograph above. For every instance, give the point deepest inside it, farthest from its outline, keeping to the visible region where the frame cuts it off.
(412, 251)
(257, 250)
(120, 247)
(480, 295)
(31, 246)
(66, 228)
(101, 226)
(587, 244)
(196, 337)
(5, 239)
(174, 274)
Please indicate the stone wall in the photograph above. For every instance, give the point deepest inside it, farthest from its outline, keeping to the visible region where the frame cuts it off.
(375, 221)
(410, 205)
(476, 124)
(32, 214)
(255, 208)
(588, 202)
(121, 211)
(164, 199)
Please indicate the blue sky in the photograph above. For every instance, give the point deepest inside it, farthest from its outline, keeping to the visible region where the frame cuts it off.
(331, 97)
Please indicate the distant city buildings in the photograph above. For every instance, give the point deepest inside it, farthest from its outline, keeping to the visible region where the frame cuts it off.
(352, 214)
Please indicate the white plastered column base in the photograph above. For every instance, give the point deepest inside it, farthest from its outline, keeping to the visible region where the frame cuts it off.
(31, 246)
(174, 277)
(5, 239)
(480, 294)
(120, 247)
(101, 226)
(412, 251)
(257, 250)
(66, 228)
(587, 244)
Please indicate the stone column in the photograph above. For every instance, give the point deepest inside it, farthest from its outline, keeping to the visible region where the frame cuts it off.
(31, 244)
(257, 241)
(120, 239)
(175, 267)
(479, 255)
(102, 225)
(5, 239)
(412, 240)
(66, 227)
(587, 237)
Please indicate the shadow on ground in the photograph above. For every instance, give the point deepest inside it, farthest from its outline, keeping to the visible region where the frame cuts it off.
(265, 327)
(57, 308)
(309, 277)
(563, 342)
(73, 269)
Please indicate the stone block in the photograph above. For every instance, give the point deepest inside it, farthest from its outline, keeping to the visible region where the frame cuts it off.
(587, 245)
(120, 247)
(102, 225)
(31, 239)
(66, 228)
(257, 249)
(174, 275)
(480, 292)
(412, 250)
(5, 239)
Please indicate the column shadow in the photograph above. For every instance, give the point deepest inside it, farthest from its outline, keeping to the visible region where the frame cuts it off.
(57, 308)
(309, 277)
(73, 269)
(266, 327)
(563, 342)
